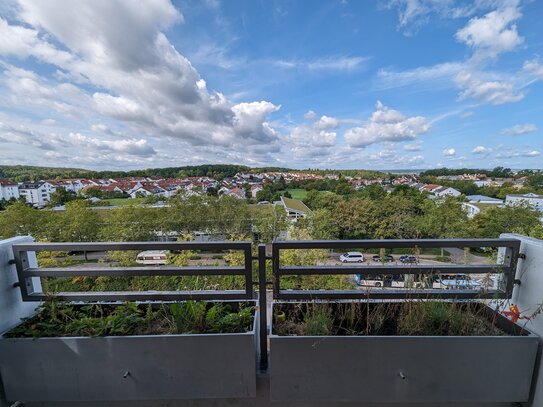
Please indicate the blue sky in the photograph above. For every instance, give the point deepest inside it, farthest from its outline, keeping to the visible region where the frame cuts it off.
(331, 84)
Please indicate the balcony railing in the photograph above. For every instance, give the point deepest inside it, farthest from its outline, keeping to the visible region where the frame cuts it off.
(269, 257)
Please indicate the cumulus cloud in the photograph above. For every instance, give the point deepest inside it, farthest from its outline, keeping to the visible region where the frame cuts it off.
(386, 124)
(449, 152)
(493, 33)
(139, 147)
(511, 153)
(327, 122)
(493, 92)
(520, 129)
(481, 150)
(113, 60)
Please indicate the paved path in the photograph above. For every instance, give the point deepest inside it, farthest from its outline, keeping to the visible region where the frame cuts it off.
(457, 256)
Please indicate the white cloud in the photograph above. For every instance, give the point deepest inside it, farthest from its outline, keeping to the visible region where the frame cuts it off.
(493, 92)
(493, 33)
(310, 115)
(481, 150)
(386, 124)
(415, 13)
(121, 66)
(534, 67)
(327, 122)
(445, 72)
(413, 147)
(520, 129)
(512, 153)
(533, 153)
(335, 63)
(449, 152)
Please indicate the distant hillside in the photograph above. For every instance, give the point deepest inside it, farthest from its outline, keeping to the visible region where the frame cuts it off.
(217, 171)
(32, 173)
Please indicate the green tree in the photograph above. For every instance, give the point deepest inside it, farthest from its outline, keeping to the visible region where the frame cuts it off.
(19, 219)
(60, 197)
(78, 223)
(323, 225)
(443, 219)
(509, 219)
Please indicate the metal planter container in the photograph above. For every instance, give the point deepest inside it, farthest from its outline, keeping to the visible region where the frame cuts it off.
(150, 367)
(404, 368)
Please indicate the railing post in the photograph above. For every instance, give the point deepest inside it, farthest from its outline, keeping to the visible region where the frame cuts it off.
(263, 306)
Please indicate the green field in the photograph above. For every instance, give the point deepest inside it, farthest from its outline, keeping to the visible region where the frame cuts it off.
(299, 193)
(122, 202)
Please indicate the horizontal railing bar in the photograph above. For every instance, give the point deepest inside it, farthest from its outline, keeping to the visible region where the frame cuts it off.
(393, 270)
(386, 294)
(105, 246)
(395, 243)
(133, 271)
(146, 296)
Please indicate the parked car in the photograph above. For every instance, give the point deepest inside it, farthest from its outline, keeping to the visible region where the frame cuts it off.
(408, 259)
(351, 257)
(386, 258)
(156, 257)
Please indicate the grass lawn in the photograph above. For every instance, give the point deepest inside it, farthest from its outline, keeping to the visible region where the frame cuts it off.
(299, 193)
(122, 201)
(484, 207)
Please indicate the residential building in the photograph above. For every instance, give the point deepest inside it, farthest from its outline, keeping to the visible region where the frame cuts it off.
(8, 190)
(255, 189)
(446, 191)
(482, 199)
(295, 208)
(37, 193)
(532, 199)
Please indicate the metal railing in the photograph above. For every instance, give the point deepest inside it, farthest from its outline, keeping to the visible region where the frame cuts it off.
(26, 273)
(506, 269)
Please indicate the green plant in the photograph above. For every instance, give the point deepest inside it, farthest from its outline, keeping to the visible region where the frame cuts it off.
(189, 316)
(57, 318)
(318, 322)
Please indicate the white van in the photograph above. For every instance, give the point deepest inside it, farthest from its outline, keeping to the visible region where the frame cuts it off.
(351, 257)
(150, 257)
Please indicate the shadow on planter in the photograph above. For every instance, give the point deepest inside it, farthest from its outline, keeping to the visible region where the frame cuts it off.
(403, 368)
(144, 367)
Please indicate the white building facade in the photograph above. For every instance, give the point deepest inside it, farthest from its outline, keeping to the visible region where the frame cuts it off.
(8, 190)
(37, 193)
(536, 201)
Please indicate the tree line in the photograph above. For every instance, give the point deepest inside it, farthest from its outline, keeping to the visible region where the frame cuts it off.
(402, 214)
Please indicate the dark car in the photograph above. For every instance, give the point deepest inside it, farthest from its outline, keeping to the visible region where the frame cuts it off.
(386, 258)
(408, 259)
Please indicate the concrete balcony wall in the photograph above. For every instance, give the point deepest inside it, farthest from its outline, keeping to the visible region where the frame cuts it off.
(528, 296)
(12, 307)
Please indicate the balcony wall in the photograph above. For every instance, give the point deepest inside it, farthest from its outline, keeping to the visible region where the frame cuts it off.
(528, 296)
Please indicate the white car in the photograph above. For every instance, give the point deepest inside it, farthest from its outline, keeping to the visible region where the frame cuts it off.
(351, 257)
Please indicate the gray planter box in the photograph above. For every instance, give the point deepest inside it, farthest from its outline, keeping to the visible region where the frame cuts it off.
(150, 367)
(403, 368)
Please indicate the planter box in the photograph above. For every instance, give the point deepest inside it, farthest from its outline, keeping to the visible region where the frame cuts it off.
(404, 368)
(146, 367)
